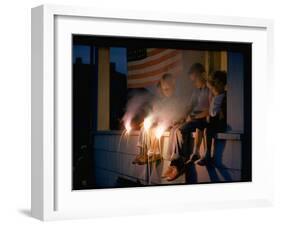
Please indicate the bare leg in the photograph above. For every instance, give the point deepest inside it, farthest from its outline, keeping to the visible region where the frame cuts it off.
(142, 148)
(197, 141)
(208, 145)
(196, 147)
(172, 142)
(209, 142)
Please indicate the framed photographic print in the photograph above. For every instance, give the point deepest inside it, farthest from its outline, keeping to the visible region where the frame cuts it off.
(144, 113)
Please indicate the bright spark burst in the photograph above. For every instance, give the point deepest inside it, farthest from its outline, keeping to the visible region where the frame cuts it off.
(128, 127)
(147, 123)
(159, 131)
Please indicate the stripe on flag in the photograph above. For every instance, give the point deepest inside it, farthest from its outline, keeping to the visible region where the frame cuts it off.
(147, 71)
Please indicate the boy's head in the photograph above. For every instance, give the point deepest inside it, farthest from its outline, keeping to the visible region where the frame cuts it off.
(216, 82)
(197, 75)
(167, 84)
(158, 89)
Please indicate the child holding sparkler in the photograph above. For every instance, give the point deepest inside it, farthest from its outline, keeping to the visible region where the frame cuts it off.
(145, 138)
(154, 125)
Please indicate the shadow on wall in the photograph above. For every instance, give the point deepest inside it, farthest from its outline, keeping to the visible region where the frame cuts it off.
(216, 170)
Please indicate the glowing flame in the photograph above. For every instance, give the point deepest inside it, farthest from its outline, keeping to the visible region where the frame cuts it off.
(159, 131)
(147, 123)
(128, 127)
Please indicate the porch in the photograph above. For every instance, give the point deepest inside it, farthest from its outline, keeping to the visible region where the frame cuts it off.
(113, 162)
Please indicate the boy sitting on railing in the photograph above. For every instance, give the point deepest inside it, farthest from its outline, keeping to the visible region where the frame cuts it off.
(217, 113)
(195, 120)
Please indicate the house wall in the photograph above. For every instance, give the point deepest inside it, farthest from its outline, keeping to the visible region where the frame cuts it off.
(190, 57)
(113, 159)
(235, 92)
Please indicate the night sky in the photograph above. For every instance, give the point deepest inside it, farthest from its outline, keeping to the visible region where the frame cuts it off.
(117, 56)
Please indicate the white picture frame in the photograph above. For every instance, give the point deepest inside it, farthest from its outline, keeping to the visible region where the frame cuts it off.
(52, 197)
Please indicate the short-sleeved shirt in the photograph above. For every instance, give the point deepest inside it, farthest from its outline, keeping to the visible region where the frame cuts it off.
(216, 105)
(200, 100)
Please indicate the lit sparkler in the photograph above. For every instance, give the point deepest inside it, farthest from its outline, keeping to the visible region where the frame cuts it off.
(159, 131)
(125, 133)
(147, 123)
(128, 127)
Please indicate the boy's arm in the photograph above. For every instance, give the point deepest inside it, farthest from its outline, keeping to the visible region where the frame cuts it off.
(187, 117)
(202, 114)
(189, 110)
(215, 107)
(191, 105)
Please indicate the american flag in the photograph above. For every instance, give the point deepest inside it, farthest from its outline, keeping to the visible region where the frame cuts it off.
(148, 65)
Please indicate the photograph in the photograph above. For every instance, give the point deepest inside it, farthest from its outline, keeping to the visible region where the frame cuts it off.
(159, 112)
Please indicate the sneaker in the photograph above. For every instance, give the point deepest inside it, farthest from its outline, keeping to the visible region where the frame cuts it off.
(143, 160)
(136, 159)
(174, 174)
(168, 171)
